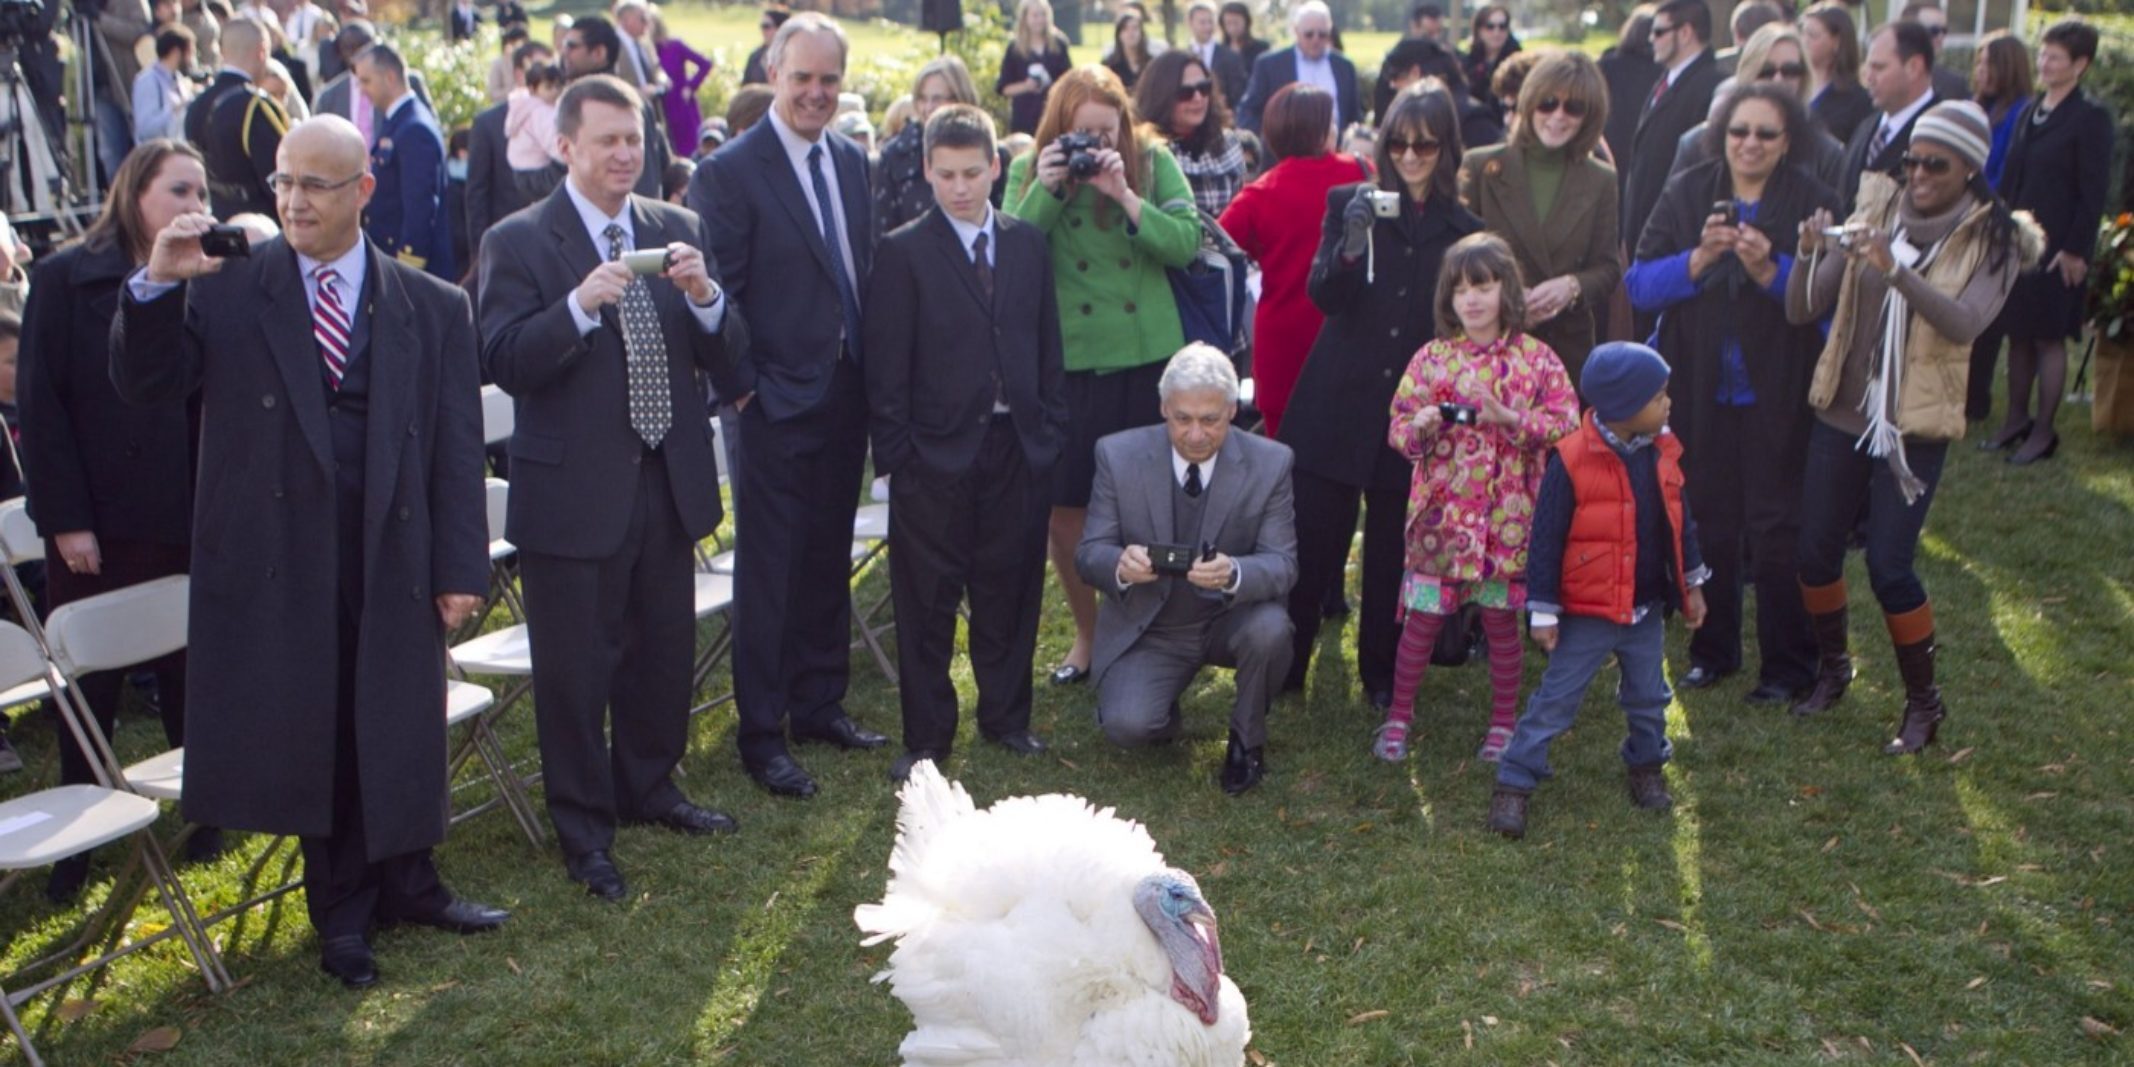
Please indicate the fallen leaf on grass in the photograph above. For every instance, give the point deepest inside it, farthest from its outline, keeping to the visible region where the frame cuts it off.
(1984, 882)
(1489, 1020)
(1804, 913)
(1069, 764)
(1913, 1053)
(1467, 1033)
(1222, 867)
(1673, 925)
(73, 1010)
(1367, 1016)
(2099, 983)
(1357, 947)
(1830, 844)
(160, 1039)
(1258, 1060)
(2098, 1028)
(1975, 982)
(1830, 1049)
(514, 965)
(2046, 795)
(1962, 754)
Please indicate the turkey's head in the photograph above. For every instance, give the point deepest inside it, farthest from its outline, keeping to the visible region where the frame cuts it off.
(1171, 904)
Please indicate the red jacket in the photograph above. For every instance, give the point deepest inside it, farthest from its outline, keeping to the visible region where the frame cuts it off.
(1600, 556)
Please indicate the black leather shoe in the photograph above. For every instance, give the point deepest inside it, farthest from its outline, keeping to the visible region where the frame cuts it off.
(1701, 677)
(1020, 742)
(900, 771)
(1242, 767)
(460, 917)
(842, 732)
(690, 819)
(1068, 674)
(67, 878)
(348, 958)
(1774, 693)
(597, 873)
(205, 846)
(781, 776)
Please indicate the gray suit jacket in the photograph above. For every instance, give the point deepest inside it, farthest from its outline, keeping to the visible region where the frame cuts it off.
(1250, 516)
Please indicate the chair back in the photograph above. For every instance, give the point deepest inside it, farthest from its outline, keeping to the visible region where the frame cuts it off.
(20, 658)
(120, 628)
(498, 493)
(19, 538)
(498, 416)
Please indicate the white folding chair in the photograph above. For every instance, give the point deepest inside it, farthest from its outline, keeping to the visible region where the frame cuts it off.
(503, 652)
(498, 415)
(870, 532)
(45, 827)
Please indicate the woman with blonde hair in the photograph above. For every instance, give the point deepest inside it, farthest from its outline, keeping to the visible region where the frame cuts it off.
(1036, 58)
(1116, 212)
(1776, 54)
(900, 190)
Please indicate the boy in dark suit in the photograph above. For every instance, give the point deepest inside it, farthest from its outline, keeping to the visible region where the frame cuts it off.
(967, 413)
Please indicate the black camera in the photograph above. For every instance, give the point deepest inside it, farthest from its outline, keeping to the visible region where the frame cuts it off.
(1081, 150)
(1178, 559)
(1457, 414)
(226, 242)
(1728, 211)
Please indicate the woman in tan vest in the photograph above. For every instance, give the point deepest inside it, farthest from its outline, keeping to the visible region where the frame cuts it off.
(1921, 270)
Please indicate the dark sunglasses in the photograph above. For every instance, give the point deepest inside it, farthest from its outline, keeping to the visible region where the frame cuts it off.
(1197, 89)
(1496, 25)
(1762, 133)
(1397, 147)
(1548, 105)
(1783, 70)
(1935, 165)
(1313, 35)
(1659, 31)
(1937, 31)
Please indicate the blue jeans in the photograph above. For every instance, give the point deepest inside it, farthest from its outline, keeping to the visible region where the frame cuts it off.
(1582, 649)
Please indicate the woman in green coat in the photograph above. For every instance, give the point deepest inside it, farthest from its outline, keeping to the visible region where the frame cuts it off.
(1116, 215)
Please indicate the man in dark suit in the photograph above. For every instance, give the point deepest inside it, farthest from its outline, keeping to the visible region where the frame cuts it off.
(342, 96)
(492, 194)
(238, 127)
(1949, 84)
(1221, 60)
(338, 532)
(1223, 501)
(1899, 75)
(465, 22)
(790, 218)
(1311, 59)
(613, 477)
(407, 215)
(966, 385)
(1681, 39)
(591, 46)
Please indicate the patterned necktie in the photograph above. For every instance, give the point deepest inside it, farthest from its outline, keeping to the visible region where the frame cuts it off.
(1193, 479)
(847, 297)
(651, 406)
(983, 264)
(1880, 142)
(329, 325)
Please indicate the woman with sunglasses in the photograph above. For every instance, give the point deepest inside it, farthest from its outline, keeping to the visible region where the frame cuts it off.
(1115, 215)
(1375, 278)
(1177, 97)
(1709, 263)
(2058, 167)
(1775, 53)
(1555, 204)
(1939, 254)
(1836, 99)
(1489, 44)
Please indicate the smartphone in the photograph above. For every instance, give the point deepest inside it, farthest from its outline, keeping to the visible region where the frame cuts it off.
(1385, 204)
(226, 242)
(646, 261)
(1730, 212)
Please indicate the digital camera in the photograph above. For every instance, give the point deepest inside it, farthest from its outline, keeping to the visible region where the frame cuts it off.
(1081, 150)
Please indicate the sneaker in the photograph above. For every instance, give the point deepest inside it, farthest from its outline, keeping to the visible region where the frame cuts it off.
(1391, 743)
(1507, 812)
(1494, 743)
(1648, 788)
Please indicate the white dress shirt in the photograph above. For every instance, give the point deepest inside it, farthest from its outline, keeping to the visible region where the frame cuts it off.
(796, 151)
(1319, 72)
(1893, 123)
(710, 316)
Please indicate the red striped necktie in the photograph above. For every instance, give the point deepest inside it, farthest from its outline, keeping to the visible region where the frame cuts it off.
(329, 324)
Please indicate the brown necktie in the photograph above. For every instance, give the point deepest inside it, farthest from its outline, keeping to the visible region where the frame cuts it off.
(983, 264)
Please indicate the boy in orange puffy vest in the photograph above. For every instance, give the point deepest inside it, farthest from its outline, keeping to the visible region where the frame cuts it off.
(1614, 548)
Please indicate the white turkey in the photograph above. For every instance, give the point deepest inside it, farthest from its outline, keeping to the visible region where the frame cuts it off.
(1043, 932)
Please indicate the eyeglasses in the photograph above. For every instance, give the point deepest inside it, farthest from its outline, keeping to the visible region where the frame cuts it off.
(1197, 89)
(1762, 133)
(1783, 70)
(283, 183)
(1315, 35)
(1397, 147)
(1496, 25)
(1549, 104)
(1935, 165)
(1659, 31)
(1937, 31)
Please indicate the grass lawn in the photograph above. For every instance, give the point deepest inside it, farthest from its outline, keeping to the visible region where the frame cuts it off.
(1808, 900)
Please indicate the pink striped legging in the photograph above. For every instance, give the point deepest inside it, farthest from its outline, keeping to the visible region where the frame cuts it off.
(1419, 635)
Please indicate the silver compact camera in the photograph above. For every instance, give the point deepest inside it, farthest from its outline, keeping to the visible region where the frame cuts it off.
(1385, 204)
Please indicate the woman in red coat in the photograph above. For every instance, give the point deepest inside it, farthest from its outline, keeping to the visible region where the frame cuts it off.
(1275, 220)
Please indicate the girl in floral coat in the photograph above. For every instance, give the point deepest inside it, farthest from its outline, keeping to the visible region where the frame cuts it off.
(1476, 414)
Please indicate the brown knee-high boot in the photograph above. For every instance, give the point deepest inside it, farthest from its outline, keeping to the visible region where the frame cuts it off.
(1833, 671)
(1913, 634)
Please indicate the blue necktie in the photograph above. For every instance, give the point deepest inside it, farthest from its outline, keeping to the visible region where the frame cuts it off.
(836, 248)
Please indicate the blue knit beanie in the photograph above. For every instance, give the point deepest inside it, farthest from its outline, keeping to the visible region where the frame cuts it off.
(1620, 378)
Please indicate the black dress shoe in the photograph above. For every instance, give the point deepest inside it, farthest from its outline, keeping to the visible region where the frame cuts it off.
(690, 819)
(348, 958)
(460, 917)
(204, 846)
(597, 873)
(1242, 767)
(900, 771)
(1701, 677)
(1335, 607)
(1774, 693)
(842, 732)
(67, 878)
(783, 777)
(1068, 674)
(1020, 742)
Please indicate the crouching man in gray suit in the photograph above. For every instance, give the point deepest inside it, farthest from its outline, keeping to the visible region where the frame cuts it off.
(1192, 532)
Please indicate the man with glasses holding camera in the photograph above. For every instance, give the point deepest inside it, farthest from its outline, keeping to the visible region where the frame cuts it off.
(1312, 59)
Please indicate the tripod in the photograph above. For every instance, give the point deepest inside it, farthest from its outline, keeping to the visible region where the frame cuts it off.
(31, 182)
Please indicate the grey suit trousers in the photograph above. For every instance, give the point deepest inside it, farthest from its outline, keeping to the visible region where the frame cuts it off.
(1136, 697)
